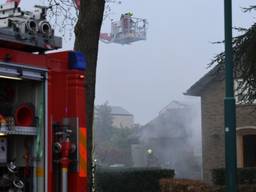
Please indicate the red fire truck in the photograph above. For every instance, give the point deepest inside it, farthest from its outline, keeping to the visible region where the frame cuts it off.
(42, 107)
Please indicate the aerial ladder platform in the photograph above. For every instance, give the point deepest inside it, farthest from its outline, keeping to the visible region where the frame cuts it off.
(126, 30)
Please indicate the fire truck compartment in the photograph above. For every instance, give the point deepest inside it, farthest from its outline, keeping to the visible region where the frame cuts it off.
(22, 128)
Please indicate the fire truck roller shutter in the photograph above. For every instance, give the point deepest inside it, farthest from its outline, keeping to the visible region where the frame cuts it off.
(17, 72)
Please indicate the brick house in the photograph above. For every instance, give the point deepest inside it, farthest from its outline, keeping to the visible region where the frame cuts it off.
(169, 136)
(211, 89)
(121, 118)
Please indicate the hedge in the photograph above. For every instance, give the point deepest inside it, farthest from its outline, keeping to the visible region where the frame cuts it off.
(187, 185)
(244, 176)
(184, 185)
(130, 179)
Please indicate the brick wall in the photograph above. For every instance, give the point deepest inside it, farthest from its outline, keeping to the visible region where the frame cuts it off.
(212, 103)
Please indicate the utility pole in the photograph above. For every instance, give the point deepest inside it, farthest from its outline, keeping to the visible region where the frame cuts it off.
(230, 105)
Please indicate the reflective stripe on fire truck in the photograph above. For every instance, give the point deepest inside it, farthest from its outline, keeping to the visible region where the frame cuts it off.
(39, 171)
(83, 153)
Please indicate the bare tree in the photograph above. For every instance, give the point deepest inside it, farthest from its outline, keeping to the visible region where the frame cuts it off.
(87, 32)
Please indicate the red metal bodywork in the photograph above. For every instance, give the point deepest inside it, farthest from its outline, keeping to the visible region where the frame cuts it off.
(65, 150)
(66, 98)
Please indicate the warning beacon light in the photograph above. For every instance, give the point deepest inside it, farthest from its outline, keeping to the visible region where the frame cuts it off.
(127, 30)
(29, 28)
(77, 60)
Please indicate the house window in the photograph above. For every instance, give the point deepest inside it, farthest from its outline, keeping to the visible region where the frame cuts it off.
(249, 150)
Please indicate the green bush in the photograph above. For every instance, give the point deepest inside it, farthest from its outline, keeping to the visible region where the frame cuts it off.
(130, 179)
(244, 176)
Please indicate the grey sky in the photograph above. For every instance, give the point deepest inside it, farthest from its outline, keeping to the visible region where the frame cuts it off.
(145, 76)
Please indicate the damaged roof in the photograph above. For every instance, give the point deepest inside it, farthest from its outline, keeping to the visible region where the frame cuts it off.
(116, 110)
